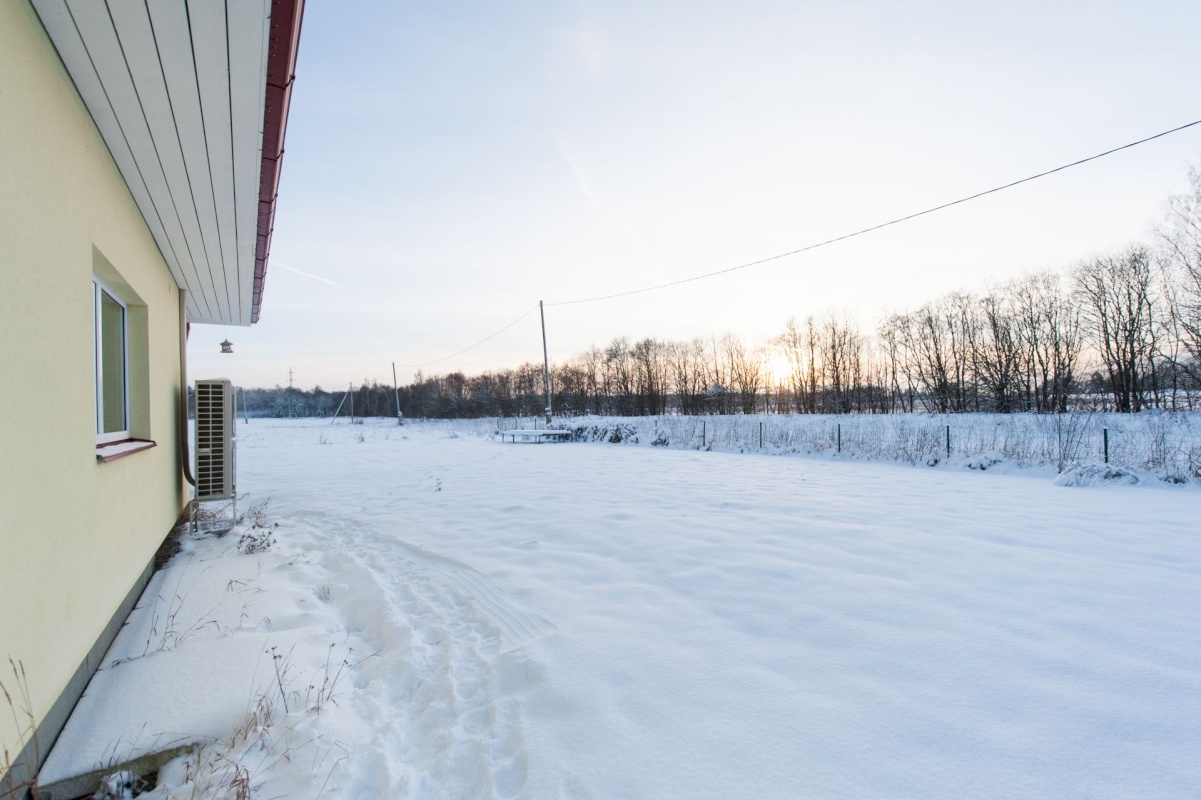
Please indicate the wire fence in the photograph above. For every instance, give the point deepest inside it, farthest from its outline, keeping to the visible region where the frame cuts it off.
(1164, 444)
(1168, 444)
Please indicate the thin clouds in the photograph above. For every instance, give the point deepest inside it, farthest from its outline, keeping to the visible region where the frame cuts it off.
(631, 237)
(308, 275)
(580, 179)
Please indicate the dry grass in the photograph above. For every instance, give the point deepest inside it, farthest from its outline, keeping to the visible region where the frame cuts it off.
(231, 768)
(20, 707)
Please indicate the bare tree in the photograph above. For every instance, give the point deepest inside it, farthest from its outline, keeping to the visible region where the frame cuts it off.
(689, 375)
(528, 389)
(998, 352)
(958, 311)
(878, 397)
(893, 334)
(746, 371)
(1048, 324)
(1116, 300)
(455, 399)
(618, 379)
(650, 377)
(717, 393)
(842, 364)
(929, 352)
(1180, 238)
(1174, 344)
(591, 366)
(800, 344)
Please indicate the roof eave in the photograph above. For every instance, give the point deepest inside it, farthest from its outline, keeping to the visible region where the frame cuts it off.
(283, 43)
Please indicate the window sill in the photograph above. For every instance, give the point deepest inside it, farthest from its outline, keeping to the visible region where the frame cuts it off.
(114, 450)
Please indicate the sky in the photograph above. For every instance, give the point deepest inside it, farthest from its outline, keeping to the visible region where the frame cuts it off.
(449, 165)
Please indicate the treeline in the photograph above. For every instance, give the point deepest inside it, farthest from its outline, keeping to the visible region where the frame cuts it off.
(1119, 331)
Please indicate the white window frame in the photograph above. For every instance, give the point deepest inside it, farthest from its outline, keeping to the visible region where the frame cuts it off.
(99, 288)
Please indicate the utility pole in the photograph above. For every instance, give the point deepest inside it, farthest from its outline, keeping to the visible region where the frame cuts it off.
(289, 378)
(396, 391)
(545, 361)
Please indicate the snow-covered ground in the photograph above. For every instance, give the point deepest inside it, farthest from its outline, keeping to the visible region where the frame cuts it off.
(596, 621)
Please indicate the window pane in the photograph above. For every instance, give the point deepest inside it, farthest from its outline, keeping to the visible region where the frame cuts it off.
(112, 364)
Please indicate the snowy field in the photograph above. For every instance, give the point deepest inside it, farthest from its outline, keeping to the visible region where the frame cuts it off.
(453, 617)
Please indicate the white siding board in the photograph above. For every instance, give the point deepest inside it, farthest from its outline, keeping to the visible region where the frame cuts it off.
(169, 23)
(104, 49)
(247, 286)
(141, 57)
(176, 91)
(60, 26)
(207, 23)
(247, 82)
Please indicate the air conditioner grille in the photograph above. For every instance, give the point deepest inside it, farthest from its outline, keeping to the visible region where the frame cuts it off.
(214, 441)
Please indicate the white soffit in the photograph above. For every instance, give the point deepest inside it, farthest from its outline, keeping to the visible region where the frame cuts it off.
(177, 91)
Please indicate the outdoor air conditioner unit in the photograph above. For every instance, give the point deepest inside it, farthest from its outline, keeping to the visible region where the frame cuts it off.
(215, 443)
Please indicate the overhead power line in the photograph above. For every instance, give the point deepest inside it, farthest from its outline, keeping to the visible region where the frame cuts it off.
(477, 344)
(806, 248)
(896, 221)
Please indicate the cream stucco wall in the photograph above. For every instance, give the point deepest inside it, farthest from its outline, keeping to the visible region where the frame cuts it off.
(74, 533)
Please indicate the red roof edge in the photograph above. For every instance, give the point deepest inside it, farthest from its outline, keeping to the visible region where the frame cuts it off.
(282, 44)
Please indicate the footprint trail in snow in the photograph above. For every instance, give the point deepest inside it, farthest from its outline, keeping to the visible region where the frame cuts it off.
(443, 694)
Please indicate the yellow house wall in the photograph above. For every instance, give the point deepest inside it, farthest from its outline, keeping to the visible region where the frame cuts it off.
(75, 534)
